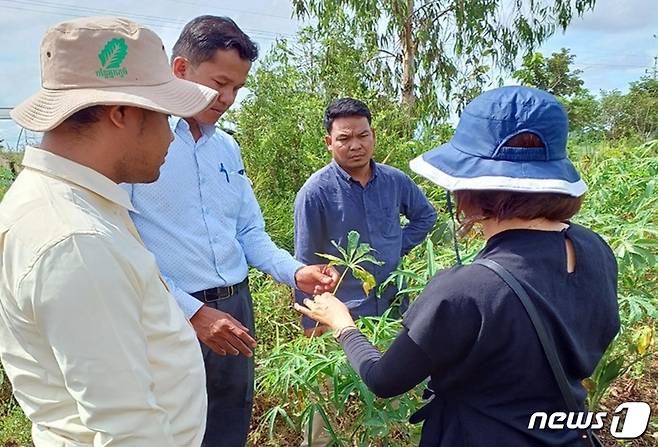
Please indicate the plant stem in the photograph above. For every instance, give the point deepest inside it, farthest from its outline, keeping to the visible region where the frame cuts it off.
(340, 280)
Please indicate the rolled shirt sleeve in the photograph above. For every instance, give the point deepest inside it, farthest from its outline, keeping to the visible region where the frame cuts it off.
(95, 330)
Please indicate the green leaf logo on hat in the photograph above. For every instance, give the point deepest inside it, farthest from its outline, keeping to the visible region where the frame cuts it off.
(111, 57)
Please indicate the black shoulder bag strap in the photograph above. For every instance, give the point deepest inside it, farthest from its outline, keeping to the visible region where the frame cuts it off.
(545, 339)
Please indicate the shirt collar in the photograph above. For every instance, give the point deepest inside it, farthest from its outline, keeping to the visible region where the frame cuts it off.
(179, 124)
(346, 176)
(73, 172)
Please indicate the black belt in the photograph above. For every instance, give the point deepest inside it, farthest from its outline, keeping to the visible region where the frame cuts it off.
(220, 293)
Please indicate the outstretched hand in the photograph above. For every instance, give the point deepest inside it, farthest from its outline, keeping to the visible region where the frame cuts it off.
(316, 279)
(327, 310)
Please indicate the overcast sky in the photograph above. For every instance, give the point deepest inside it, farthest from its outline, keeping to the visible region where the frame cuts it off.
(614, 44)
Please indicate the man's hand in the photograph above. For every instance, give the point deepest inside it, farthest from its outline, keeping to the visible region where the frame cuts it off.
(316, 279)
(222, 333)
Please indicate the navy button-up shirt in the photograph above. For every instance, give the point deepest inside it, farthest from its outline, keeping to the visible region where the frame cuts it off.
(331, 203)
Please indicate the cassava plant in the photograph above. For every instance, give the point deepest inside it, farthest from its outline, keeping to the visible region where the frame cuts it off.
(351, 259)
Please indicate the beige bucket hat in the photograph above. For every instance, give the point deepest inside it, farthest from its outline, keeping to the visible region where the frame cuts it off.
(106, 61)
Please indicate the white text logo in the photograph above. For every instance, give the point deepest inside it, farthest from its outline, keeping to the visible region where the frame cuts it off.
(629, 420)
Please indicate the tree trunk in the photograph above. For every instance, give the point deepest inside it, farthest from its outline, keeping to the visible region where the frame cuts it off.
(408, 56)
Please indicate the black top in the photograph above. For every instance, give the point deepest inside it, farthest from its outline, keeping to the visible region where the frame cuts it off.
(471, 334)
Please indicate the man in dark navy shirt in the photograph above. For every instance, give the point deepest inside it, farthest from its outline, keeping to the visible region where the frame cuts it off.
(354, 193)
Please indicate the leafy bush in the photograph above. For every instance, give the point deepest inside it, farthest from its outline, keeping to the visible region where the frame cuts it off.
(311, 375)
(622, 205)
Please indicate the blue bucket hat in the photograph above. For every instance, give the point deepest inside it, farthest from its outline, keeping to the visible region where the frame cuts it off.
(477, 158)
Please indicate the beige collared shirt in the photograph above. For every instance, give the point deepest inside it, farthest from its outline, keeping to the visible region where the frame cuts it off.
(97, 350)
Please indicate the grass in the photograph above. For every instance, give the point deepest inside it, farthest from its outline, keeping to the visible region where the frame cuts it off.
(14, 426)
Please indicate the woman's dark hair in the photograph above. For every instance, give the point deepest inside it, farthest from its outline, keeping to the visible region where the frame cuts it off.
(343, 107)
(204, 35)
(502, 205)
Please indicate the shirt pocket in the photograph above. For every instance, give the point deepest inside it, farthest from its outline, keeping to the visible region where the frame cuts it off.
(389, 224)
(230, 194)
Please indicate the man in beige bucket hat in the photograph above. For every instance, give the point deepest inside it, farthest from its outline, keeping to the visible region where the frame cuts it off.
(96, 348)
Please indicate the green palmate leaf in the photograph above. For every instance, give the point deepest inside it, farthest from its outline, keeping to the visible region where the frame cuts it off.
(334, 260)
(352, 242)
(342, 251)
(366, 278)
(361, 250)
(368, 258)
(113, 53)
(354, 255)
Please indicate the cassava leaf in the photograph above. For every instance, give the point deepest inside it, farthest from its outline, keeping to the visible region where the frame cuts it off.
(368, 258)
(334, 260)
(361, 250)
(342, 251)
(352, 242)
(367, 279)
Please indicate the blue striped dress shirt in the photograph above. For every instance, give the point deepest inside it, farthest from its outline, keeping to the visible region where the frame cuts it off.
(201, 218)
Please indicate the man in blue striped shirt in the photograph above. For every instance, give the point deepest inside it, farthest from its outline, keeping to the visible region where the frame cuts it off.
(203, 223)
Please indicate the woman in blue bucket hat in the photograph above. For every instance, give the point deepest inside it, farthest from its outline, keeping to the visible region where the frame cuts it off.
(506, 340)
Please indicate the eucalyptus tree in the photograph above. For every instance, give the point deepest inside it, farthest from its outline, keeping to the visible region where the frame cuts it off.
(438, 51)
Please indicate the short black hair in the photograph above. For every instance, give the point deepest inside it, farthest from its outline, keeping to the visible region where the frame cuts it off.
(343, 107)
(204, 35)
(86, 116)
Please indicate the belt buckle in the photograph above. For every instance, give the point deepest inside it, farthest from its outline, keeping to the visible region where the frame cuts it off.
(221, 294)
(208, 300)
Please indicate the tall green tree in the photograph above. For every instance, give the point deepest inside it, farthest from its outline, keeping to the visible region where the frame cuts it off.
(430, 49)
(634, 114)
(553, 74)
(556, 75)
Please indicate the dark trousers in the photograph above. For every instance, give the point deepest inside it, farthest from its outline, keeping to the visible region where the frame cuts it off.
(230, 381)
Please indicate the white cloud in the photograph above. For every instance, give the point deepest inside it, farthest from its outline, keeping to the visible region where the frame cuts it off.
(614, 16)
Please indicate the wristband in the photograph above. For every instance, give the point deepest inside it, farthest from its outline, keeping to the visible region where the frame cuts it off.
(339, 332)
